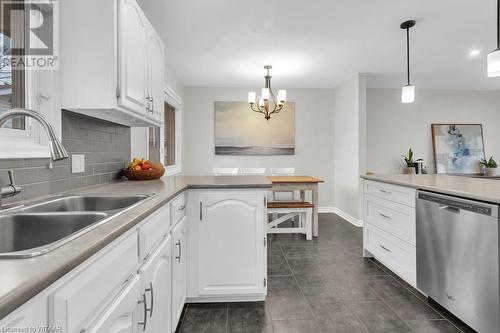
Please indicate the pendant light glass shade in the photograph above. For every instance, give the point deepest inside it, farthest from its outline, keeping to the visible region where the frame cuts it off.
(494, 64)
(408, 94)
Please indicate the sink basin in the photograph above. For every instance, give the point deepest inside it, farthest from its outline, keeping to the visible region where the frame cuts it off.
(39, 228)
(82, 203)
(29, 234)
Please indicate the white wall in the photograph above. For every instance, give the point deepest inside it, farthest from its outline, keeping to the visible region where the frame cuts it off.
(349, 144)
(313, 135)
(394, 127)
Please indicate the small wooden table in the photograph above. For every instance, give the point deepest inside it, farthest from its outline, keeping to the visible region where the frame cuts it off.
(302, 184)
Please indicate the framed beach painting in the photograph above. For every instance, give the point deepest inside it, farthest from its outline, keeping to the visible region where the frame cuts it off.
(240, 131)
(458, 148)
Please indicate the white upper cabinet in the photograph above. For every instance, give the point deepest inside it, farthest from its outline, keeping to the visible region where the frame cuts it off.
(156, 71)
(132, 56)
(231, 243)
(111, 62)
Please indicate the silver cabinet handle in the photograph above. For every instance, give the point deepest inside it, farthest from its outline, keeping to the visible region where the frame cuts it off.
(145, 322)
(151, 291)
(152, 105)
(147, 103)
(385, 192)
(178, 258)
(384, 248)
(385, 216)
(181, 208)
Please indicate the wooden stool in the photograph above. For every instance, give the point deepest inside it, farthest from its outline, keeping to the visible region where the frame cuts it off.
(290, 210)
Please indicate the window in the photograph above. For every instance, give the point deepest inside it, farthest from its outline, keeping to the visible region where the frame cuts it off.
(164, 143)
(169, 134)
(20, 88)
(12, 82)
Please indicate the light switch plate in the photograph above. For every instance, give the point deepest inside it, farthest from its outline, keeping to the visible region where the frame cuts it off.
(77, 163)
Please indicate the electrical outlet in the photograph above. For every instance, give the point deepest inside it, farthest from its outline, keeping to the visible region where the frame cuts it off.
(77, 163)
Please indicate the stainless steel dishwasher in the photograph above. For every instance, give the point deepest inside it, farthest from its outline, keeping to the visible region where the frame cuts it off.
(457, 257)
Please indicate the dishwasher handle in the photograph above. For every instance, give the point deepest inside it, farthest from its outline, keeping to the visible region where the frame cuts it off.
(456, 204)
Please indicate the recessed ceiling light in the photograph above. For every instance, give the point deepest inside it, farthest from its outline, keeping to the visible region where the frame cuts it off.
(474, 53)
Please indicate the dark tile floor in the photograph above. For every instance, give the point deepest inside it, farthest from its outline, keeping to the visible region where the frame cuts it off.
(324, 286)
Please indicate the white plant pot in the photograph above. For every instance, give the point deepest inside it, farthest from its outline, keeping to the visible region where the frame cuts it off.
(491, 171)
(409, 171)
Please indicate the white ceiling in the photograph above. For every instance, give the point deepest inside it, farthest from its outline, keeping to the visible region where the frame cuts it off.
(320, 43)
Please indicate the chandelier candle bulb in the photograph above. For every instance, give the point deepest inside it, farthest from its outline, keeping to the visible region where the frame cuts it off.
(265, 94)
(251, 97)
(261, 102)
(282, 95)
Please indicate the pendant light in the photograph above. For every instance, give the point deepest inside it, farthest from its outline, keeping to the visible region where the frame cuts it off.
(408, 93)
(494, 57)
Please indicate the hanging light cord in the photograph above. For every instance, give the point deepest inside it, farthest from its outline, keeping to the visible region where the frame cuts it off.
(408, 52)
(498, 24)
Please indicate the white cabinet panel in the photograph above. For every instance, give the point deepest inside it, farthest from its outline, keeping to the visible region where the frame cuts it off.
(122, 315)
(153, 230)
(179, 270)
(156, 59)
(395, 218)
(178, 208)
(231, 244)
(399, 194)
(75, 303)
(132, 56)
(396, 254)
(156, 285)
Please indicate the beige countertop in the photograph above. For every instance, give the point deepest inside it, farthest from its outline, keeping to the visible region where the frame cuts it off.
(467, 187)
(22, 279)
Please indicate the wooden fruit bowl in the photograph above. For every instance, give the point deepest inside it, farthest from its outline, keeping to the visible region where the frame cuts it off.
(143, 174)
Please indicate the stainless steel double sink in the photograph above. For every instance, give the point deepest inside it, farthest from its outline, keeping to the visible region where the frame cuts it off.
(32, 230)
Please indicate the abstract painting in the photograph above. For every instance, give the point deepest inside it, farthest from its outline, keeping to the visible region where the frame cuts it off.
(458, 148)
(240, 131)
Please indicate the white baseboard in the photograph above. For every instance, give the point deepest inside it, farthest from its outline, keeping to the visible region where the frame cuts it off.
(349, 218)
(326, 210)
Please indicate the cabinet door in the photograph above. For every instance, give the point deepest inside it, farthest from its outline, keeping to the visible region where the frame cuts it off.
(155, 75)
(231, 244)
(132, 44)
(122, 315)
(179, 271)
(156, 282)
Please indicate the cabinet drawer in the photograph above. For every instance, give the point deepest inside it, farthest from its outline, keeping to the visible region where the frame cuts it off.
(76, 303)
(153, 231)
(399, 194)
(395, 218)
(178, 208)
(396, 254)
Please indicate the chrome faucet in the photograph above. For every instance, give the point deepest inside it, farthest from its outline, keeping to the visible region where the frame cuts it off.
(57, 150)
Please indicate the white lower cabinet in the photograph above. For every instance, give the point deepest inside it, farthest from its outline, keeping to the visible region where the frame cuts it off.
(179, 270)
(156, 289)
(122, 315)
(215, 251)
(390, 227)
(227, 245)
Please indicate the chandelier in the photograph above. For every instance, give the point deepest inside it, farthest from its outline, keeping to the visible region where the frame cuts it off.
(268, 102)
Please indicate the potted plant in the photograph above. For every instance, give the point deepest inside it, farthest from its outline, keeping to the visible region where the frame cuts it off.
(410, 163)
(490, 166)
